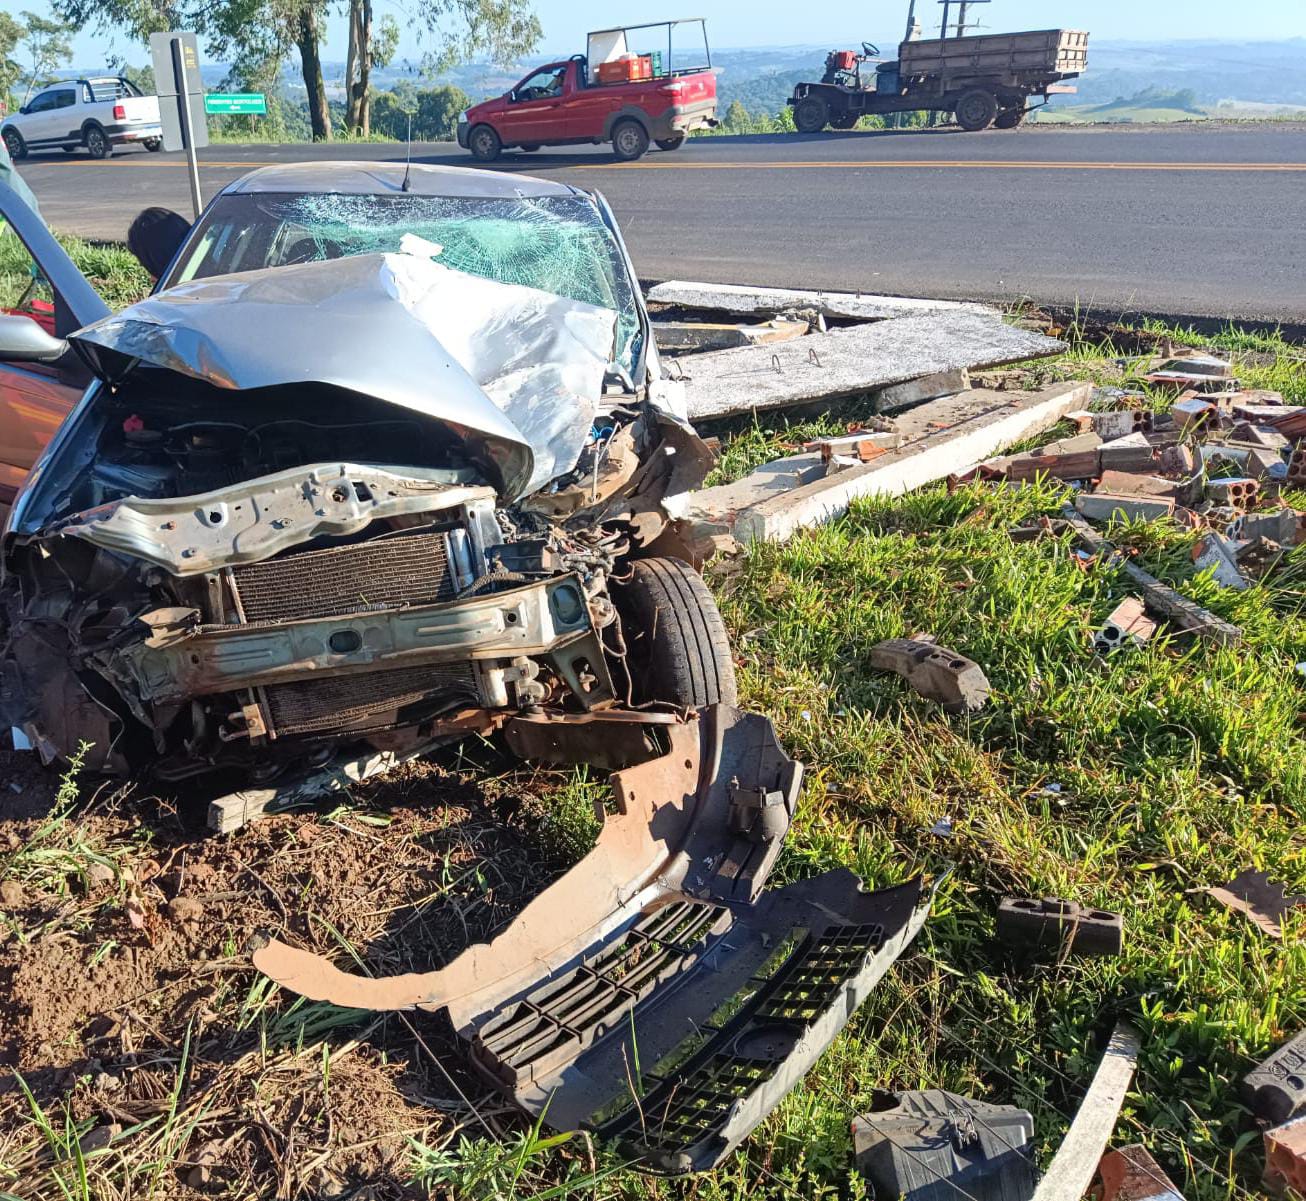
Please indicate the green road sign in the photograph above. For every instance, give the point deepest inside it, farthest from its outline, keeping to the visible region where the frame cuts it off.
(235, 102)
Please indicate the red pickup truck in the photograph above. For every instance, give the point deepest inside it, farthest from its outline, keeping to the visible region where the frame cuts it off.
(610, 95)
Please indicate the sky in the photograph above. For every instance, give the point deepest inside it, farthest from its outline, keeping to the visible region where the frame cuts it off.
(741, 23)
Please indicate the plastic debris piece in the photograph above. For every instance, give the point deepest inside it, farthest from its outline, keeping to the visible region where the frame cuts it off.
(1252, 893)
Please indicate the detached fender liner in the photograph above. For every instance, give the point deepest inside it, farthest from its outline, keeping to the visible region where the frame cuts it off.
(656, 994)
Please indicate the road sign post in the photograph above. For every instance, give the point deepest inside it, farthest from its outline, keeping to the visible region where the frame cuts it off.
(181, 100)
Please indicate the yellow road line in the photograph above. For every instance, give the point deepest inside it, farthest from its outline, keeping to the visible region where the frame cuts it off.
(878, 164)
(923, 164)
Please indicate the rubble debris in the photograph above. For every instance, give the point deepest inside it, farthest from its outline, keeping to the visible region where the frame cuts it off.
(978, 424)
(1107, 507)
(934, 1145)
(235, 810)
(1285, 1158)
(746, 301)
(848, 362)
(1135, 452)
(1053, 922)
(1072, 1168)
(692, 336)
(1133, 483)
(627, 958)
(1191, 415)
(1275, 1090)
(1128, 625)
(862, 445)
(1119, 423)
(1291, 423)
(1297, 467)
(1075, 458)
(1252, 893)
(1193, 372)
(916, 391)
(1131, 1174)
(1219, 555)
(1160, 598)
(1239, 493)
(934, 672)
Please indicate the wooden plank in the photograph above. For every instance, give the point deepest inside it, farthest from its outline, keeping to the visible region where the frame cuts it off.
(976, 425)
(848, 362)
(1073, 1167)
(745, 301)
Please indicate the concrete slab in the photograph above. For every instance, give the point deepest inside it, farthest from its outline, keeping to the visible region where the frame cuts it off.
(747, 301)
(849, 362)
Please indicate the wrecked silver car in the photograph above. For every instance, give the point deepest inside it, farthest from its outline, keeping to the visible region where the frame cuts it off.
(380, 463)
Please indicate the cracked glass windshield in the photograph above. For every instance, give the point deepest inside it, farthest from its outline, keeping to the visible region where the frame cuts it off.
(556, 244)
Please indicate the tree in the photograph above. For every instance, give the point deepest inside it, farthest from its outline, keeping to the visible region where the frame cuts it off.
(11, 70)
(434, 111)
(48, 46)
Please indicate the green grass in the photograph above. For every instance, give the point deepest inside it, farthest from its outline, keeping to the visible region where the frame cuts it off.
(1128, 783)
(111, 269)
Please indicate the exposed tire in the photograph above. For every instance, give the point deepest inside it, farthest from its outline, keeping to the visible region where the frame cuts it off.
(531, 149)
(677, 648)
(629, 141)
(1010, 118)
(811, 114)
(14, 144)
(153, 144)
(484, 143)
(844, 121)
(671, 143)
(976, 110)
(97, 142)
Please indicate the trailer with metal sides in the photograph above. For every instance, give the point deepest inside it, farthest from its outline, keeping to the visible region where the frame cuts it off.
(984, 80)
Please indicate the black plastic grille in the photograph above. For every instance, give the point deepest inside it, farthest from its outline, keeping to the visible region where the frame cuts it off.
(552, 1025)
(371, 701)
(690, 1105)
(385, 573)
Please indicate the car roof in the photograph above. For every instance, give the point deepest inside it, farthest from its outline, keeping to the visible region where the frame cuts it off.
(380, 179)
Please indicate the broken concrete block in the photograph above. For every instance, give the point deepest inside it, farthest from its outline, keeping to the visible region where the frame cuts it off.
(1190, 415)
(749, 301)
(1247, 434)
(1275, 1090)
(936, 1146)
(915, 391)
(1179, 459)
(1068, 459)
(863, 445)
(1081, 419)
(1219, 555)
(702, 335)
(1205, 365)
(933, 671)
(1131, 1174)
(1121, 422)
(1239, 493)
(1278, 526)
(1050, 922)
(1297, 467)
(1132, 483)
(1104, 506)
(1128, 625)
(1285, 1157)
(1134, 452)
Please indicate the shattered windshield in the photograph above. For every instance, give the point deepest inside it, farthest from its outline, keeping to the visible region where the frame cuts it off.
(558, 244)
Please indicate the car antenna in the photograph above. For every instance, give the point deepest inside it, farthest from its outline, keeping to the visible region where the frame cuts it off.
(408, 167)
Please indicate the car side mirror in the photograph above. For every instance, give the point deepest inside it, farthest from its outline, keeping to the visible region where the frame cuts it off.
(23, 340)
(23, 111)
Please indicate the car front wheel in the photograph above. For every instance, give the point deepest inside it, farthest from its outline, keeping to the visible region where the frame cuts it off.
(14, 144)
(484, 143)
(97, 142)
(677, 649)
(672, 143)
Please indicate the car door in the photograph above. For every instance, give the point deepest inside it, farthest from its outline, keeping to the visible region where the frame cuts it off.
(536, 113)
(35, 397)
(40, 118)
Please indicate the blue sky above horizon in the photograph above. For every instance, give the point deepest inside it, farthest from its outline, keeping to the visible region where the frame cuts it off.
(758, 23)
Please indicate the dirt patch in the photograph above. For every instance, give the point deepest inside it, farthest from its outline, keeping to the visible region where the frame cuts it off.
(127, 1000)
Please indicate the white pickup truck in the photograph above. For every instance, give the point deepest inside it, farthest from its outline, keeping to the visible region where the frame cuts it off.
(98, 113)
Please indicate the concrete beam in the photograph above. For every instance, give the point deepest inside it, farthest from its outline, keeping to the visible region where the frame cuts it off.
(976, 425)
(849, 362)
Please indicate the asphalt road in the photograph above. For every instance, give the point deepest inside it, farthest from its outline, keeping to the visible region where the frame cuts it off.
(1202, 220)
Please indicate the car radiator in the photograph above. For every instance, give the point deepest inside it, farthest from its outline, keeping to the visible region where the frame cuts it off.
(384, 573)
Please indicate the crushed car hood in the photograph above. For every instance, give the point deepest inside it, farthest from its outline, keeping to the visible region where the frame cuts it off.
(515, 372)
